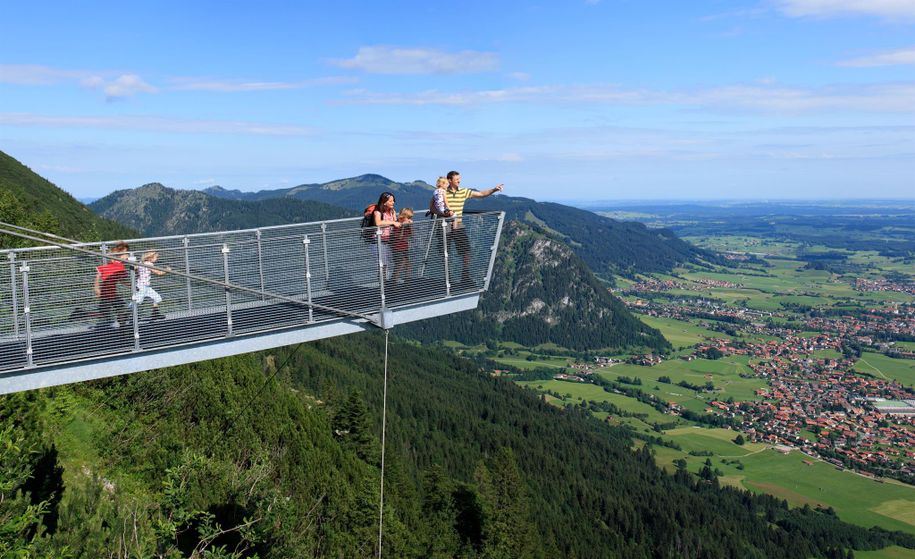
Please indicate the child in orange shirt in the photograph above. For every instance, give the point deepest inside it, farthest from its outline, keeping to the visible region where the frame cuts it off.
(400, 243)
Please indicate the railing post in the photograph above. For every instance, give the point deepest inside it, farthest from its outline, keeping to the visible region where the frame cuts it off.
(15, 301)
(324, 243)
(27, 313)
(445, 254)
(134, 305)
(187, 269)
(225, 265)
(380, 265)
(494, 248)
(260, 264)
(422, 271)
(305, 242)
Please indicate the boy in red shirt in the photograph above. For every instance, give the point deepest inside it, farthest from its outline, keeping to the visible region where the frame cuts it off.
(112, 306)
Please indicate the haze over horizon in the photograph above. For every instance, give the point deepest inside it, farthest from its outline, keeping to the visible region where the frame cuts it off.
(592, 100)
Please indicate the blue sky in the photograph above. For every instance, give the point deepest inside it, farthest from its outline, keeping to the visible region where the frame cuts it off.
(573, 100)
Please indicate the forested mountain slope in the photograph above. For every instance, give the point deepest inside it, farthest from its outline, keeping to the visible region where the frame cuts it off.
(608, 246)
(542, 292)
(154, 209)
(26, 196)
(209, 455)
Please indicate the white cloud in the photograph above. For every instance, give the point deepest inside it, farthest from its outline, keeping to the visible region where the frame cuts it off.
(231, 86)
(760, 98)
(520, 76)
(32, 74)
(154, 124)
(891, 58)
(394, 60)
(113, 85)
(119, 86)
(127, 85)
(887, 9)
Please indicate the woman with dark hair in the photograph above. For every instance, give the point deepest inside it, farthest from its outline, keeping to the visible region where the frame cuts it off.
(385, 218)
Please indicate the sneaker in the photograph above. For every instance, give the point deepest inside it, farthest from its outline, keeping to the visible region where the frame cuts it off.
(115, 324)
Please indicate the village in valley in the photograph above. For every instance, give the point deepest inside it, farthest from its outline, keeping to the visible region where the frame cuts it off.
(782, 377)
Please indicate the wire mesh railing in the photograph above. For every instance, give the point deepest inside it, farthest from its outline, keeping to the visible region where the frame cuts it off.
(81, 301)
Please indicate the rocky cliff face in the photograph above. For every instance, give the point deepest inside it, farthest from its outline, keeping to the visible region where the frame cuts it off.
(542, 292)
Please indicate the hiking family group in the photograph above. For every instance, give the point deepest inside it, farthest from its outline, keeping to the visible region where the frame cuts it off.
(391, 242)
(389, 232)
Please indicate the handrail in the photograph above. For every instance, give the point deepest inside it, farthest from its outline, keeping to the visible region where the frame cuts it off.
(232, 284)
(223, 233)
(225, 285)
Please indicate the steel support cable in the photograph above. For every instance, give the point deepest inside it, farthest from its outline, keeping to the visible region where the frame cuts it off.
(195, 277)
(384, 417)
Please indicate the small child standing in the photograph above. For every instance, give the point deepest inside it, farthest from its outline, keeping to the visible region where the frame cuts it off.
(144, 289)
(439, 203)
(400, 243)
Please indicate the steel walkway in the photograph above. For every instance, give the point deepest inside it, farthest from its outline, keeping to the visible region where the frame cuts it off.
(229, 292)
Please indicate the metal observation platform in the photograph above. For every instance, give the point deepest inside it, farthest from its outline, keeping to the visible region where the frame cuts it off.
(230, 292)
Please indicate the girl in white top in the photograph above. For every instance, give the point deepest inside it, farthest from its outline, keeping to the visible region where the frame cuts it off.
(440, 200)
(144, 289)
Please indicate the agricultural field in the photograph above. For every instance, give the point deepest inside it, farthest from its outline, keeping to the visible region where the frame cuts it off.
(681, 333)
(882, 366)
(855, 498)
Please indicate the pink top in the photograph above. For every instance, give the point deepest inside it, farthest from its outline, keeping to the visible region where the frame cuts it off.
(386, 230)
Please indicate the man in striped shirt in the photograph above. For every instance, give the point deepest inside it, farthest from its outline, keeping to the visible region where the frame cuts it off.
(456, 197)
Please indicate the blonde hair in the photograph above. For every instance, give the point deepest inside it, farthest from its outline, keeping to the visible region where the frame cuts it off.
(150, 255)
(406, 213)
(442, 181)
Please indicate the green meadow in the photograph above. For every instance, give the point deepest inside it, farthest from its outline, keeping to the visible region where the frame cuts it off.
(882, 366)
(575, 392)
(894, 552)
(855, 498)
(681, 333)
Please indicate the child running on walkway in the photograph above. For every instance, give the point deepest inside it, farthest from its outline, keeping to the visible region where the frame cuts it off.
(400, 244)
(144, 289)
(111, 305)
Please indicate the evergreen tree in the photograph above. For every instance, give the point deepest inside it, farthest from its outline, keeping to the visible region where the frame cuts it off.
(507, 529)
(440, 538)
(352, 427)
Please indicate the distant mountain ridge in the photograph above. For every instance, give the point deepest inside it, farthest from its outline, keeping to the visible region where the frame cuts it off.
(533, 300)
(155, 209)
(608, 246)
(354, 193)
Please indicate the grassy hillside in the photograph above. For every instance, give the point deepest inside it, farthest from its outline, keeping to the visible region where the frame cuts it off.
(38, 196)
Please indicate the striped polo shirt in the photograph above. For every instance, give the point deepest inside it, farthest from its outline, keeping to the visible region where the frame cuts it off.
(456, 199)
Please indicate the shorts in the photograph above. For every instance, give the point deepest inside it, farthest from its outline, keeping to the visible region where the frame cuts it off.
(458, 238)
(145, 291)
(401, 255)
(386, 259)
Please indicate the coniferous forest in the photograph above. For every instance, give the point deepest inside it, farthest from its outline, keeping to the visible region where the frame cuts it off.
(210, 457)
